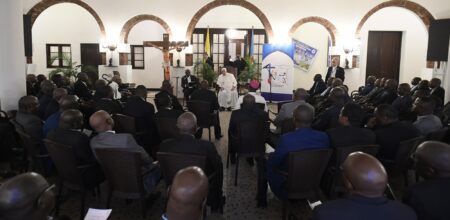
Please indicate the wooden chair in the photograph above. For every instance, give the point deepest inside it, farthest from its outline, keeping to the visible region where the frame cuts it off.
(171, 163)
(304, 175)
(124, 124)
(122, 169)
(202, 110)
(37, 160)
(69, 172)
(167, 128)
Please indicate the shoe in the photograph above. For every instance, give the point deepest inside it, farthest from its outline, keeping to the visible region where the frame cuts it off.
(229, 109)
(250, 161)
(221, 109)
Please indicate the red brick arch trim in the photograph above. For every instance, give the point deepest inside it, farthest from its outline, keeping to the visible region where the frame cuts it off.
(319, 20)
(217, 3)
(139, 18)
(419, 10)
(37, 9)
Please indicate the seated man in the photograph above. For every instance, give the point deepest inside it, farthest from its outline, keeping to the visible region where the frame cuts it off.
(369, 86)
(431, 197)
(53, 106)
(66, 102)
(252, 91)
(81, 87)
(388, 95)
(70, 133)
(115, 83)
(403, 102)
(426, 121)
(206, 95)
(187, 195)
(390, 132)
(189, 84)
(46, 96)
(189, 145)
(106, 101)
(28, 121)
(27, 196)
(301, 139)
(31, 80)
(300, 97)
(366, 180)
(350, 132)
(318, 87)
(414, 84)
(329, 118)
(228, 94)
(436, 89)
(103, 124)
(167, 90)
(165, 110)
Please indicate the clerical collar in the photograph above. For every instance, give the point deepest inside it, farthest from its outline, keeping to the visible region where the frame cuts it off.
(110, 131)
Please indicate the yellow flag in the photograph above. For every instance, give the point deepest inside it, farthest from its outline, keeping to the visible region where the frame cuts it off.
(208, 44)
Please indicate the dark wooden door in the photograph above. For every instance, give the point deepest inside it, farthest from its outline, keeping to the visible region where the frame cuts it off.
(90, 59)
(383, 54)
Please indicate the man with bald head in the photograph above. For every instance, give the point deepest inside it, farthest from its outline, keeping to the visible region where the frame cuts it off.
(187, 195)
(299, 98)
(303, 138)
(426, 121)
(103, 124)
(27, 196)
(365, 178)
(65, 103)
(53, 106)
(187, 144)
(431, 197)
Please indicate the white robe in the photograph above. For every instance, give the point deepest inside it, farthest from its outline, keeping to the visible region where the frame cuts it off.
(228, 94)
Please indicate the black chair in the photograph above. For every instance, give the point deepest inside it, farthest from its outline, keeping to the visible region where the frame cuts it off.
(36, 158)
(69, 172)
(122, 169)
(167, 128)
(334, 173)
(171, 163)
(304, 175)
(250, 142)
(202, 110)
(438, 135)
(124, 124)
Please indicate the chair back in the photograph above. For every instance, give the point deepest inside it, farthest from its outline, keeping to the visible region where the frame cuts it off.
(167, 128)
(252, 138)
(261, 106)
(305, 172)
(438, 135)
(31, 145)
(201, 110)
(406, 148)
(123, 171)
(124, 124)
(171, 163)
(287, 125)
(66, 164)
(343, 152)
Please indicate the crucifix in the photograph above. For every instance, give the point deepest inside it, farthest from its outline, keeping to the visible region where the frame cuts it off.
(165, 46)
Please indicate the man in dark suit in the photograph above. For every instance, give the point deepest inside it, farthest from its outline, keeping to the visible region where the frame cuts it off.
(106, 101)
(167, 90)
(369, 86)
(144, 115)
(81, 88)
(329, 118)
(189, 84)
(390, 132)
(388, 95)
(67, 102)
(103, 124)
(70, 133)
(403, 102)
(335, 71)
(430, 198)
(414, 84)
(31, 81)
(209, 60)
(206, 95)
(437, 90)
(53, 106)
(303, 138)
(165, 110)
(318, 87)
(46, 97)
(366, 180)
(188, 144)
(350, 132)
(27, 117)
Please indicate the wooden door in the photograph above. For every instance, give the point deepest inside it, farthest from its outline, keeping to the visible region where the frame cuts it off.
(90, 59)
(384, 53)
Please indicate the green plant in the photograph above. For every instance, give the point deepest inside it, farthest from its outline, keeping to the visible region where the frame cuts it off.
(250, 72)
(70, 70)
(205, 72)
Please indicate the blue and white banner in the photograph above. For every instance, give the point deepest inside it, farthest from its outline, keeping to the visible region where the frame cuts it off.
(304, 55)
(277, 74)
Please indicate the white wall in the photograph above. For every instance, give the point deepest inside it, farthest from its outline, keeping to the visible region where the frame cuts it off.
(153, 74)
(230, 17)
(12, 55)
(315, 35)
(64, 23)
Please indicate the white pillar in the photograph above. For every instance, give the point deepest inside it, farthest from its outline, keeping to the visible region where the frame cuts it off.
(446, 78)
(12, 55)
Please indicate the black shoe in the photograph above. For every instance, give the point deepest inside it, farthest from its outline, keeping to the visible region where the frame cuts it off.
(221, 109)
(261, 204)
(250, 161)
(229, 109)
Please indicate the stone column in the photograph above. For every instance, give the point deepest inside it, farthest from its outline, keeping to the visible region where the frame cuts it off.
(12, 55)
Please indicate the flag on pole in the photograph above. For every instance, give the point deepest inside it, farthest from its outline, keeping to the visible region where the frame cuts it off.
(208, 43)
(251, 44)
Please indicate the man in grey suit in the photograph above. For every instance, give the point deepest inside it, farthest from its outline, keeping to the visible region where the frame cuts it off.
(426, 121)
(102, 122)
(300, 95)
(27, 118)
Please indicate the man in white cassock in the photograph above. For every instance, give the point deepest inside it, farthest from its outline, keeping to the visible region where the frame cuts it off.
(228, 93)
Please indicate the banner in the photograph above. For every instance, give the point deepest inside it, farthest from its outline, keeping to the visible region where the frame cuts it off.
(277, 79)
(304, 55)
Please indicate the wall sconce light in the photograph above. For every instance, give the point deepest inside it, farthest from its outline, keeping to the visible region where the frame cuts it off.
(111, 46)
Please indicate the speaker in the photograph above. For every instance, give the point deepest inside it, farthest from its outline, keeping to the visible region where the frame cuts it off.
(27, 35)
(438, 40)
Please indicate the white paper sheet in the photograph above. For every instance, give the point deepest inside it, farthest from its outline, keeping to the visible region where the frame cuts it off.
(97, 214)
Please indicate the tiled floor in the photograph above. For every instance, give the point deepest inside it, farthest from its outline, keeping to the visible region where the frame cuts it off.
(240, 204)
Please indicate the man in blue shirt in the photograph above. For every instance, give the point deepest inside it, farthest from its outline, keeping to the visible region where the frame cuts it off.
(65, 103)
(302, 139)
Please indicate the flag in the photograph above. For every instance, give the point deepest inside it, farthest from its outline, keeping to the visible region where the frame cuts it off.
(251, 44)
(208, 44)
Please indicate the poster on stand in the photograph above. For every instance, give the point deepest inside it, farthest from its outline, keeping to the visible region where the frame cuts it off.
(304, 55)
(277, 73)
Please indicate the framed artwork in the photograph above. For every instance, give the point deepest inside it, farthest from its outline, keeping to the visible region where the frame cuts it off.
(355, 61)
(189, 59)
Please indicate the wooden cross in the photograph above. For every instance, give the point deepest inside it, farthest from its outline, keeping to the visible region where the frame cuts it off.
(165, 46)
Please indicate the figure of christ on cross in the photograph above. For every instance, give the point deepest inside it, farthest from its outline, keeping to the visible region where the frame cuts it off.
(165, 46)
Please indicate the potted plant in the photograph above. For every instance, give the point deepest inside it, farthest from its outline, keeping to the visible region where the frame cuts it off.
(71, 70)
(205, 72)
(250, 72)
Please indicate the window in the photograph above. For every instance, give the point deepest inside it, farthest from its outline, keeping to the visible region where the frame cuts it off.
(218, 51)
(198, 48)
(58, 55)
(258, 42)
(136, 57)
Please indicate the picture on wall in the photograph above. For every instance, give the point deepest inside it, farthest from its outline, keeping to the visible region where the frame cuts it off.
(304, 55)
(189, 59)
